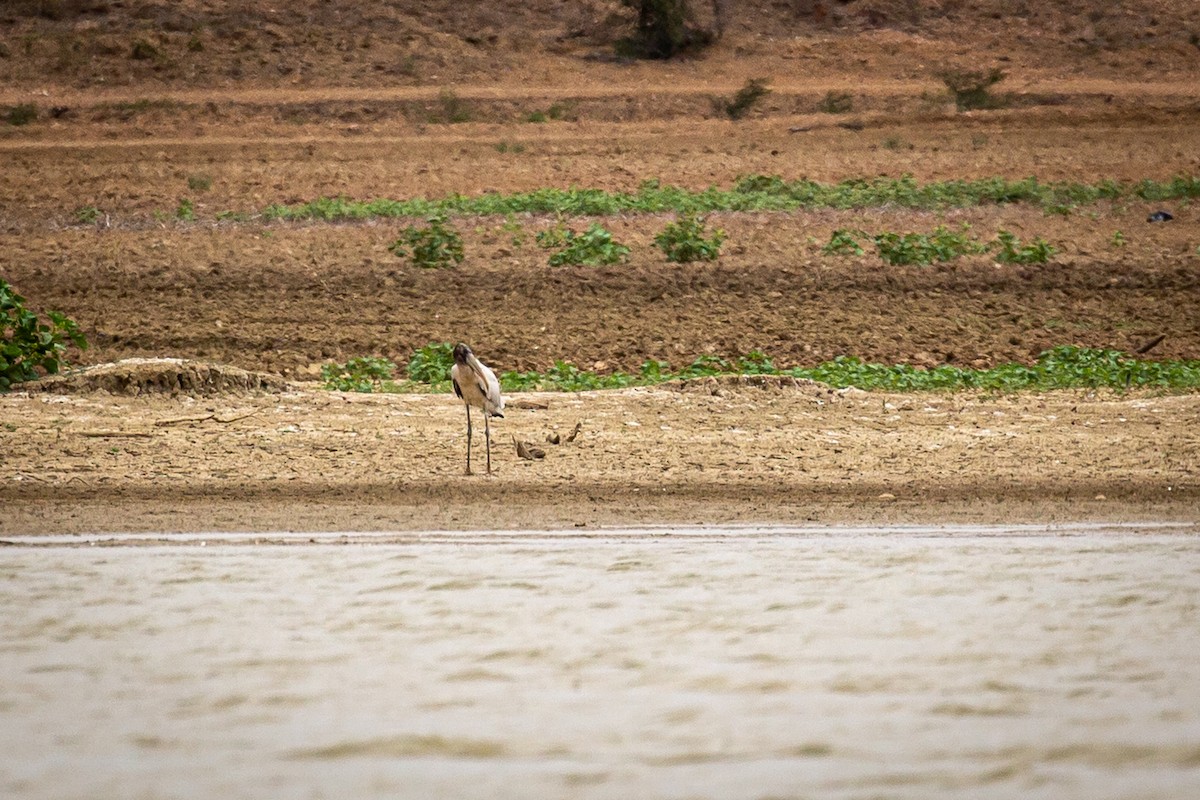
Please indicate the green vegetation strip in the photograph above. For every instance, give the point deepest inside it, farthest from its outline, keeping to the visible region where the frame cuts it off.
(751, 193)
(1064, 367)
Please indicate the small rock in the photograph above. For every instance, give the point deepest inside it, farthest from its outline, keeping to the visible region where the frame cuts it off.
(528, 405)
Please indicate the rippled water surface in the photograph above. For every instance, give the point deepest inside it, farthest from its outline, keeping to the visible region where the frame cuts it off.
(709, 664)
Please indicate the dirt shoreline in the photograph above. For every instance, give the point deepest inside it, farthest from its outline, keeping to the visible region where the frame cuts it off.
(702, 453)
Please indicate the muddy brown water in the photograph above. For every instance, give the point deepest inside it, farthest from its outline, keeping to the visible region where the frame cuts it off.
(1005, 661)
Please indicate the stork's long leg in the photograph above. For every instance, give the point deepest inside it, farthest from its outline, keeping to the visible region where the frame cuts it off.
(468, 440)
(487, 438)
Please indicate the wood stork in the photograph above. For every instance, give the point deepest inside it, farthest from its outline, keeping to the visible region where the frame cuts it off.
(476, 385)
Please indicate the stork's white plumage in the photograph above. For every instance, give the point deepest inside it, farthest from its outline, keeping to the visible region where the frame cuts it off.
(476, 385)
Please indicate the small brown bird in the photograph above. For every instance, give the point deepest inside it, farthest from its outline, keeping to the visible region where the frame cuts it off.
(574, 433)
(553, 438)
(527, 451)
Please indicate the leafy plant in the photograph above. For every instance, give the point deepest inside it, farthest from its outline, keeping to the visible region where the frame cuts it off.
(436, 245)
(199, 182)
(1011, 251)
(453, 109)
(919, 248)
(515, 231)
(569, 378)
(143, 51)
(21, 114)
(556, 111)
(503, 146)
(87, 215)
(654, 371)
(431, 363)
(836, 103)
(185, 211)
(683, 240)
(552, 238)
(750, 95)
(1118, 239)
(592, 247)
(362, 374)
(971, 89)
(28, 344)
(843, 242)
(663, 31)
(756, 362)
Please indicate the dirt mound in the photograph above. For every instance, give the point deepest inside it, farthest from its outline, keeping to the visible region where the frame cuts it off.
(152, 376)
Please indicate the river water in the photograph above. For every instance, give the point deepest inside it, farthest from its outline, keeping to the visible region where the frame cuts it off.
(1001, 662)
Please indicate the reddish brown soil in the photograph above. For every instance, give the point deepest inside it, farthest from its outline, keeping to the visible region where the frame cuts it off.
(282, 107)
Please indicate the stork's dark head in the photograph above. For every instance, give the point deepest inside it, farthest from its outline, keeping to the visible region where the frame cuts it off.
(461, 351)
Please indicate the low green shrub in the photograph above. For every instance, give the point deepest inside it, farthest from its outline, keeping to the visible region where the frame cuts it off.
(21, 114)
(557, 111)
(920, 248)
(971, 89)
(143, 50)
(27, 344)
(433, 246)
(199, 182)
(431, 363)
(452, 109)
(683, 240)
(362, 374)
(592, 247)
(941, 245)
(746, 98)
(553, 238)
(843, 242)
(186, 210)
(836, 103)
(88, 215)
(1009, 250)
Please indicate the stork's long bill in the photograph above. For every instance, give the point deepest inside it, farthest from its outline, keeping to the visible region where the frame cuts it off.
(475, 382)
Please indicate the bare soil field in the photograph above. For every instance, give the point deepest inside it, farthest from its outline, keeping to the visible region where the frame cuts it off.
(236, 107)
